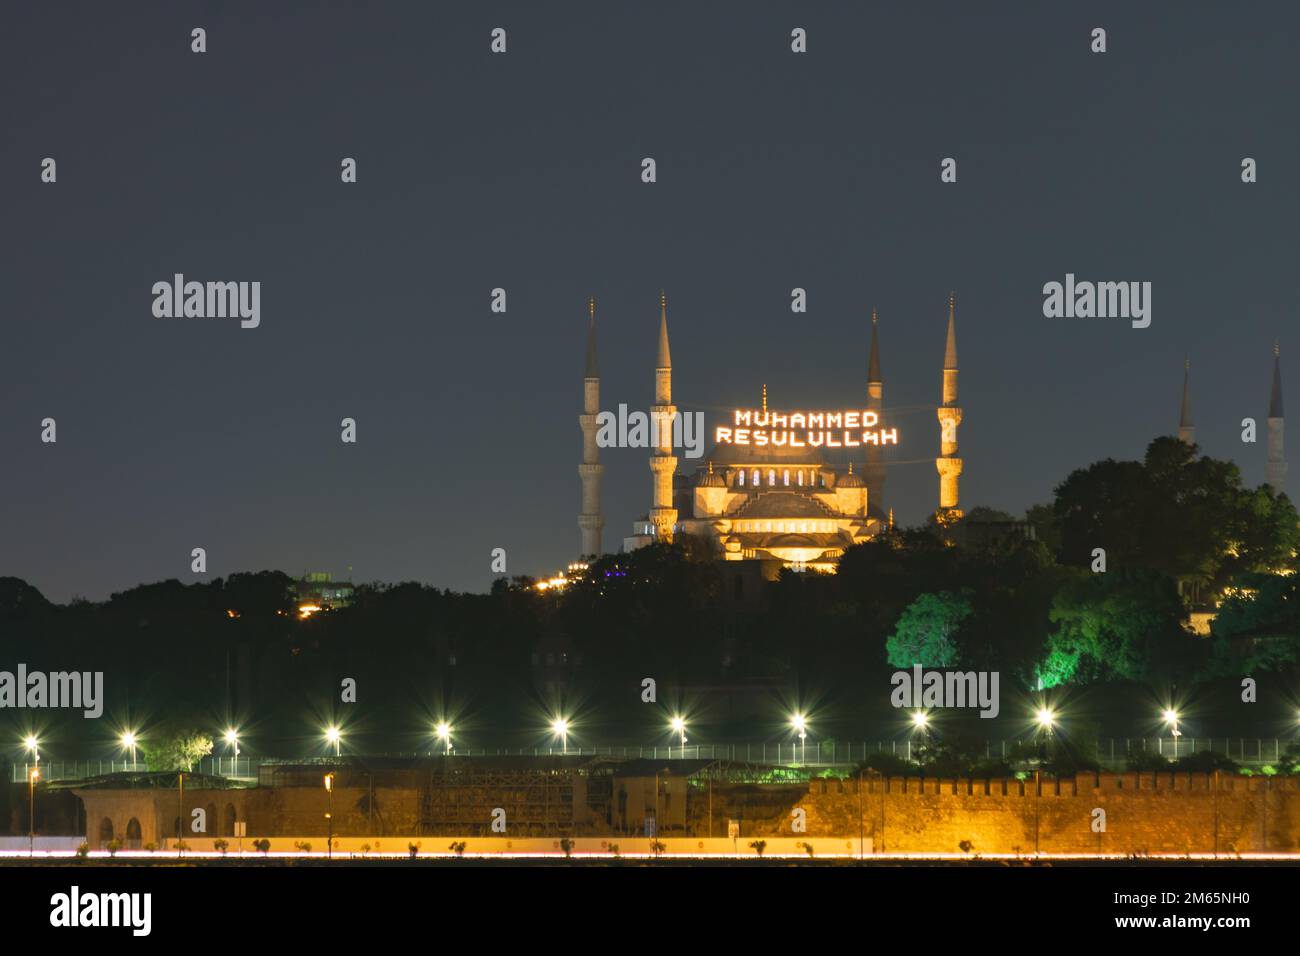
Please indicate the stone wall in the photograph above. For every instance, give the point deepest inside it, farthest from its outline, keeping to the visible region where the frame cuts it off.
(1144, 812)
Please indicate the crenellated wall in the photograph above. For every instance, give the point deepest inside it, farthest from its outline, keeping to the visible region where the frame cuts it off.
(1144, 812)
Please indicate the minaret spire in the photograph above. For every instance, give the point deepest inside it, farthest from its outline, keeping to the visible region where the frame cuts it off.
(1276, 468)
(665, 359)
(663, 516)
(874, 473)
(1186, 428)
(590, 520)
(948, 464)
(591, 339)
(950, 351)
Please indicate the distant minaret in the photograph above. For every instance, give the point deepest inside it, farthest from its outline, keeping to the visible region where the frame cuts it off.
(1275, 469)
(874, 473)
(662, 463)
(590, 520)
(948, 464)
(1186, 429)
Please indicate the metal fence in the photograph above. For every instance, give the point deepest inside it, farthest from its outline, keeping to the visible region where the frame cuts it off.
(1111, 753)
(236, 768)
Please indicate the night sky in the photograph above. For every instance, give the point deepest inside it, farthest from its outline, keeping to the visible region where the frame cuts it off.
(522, 170)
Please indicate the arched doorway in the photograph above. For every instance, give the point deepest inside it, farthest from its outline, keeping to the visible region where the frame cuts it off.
(229, 828)
(134, 839)
(105, 832)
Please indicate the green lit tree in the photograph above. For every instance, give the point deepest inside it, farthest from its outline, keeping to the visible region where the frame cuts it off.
(926, 632)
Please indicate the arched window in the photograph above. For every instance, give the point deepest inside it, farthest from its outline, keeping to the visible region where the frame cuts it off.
(800, 477)
(105, 832)
(741, 482)
(231, 820)
(134, 840)
(771, 476)
(755, 476)
(786, 477)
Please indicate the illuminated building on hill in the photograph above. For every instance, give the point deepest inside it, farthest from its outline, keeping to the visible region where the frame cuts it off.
(316, 592)
(790, 487)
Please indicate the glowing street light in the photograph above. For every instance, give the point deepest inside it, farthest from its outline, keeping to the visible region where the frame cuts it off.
(232, 740)
(443, 732)
(678, 725)
(560, 727)
(129, 741)
(334, 736)
(1046, 720)
(921, 721)
(1171, 718)
(800, 724)
(34, 745)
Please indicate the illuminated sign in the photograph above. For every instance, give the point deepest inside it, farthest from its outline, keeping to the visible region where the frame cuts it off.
(845, 429)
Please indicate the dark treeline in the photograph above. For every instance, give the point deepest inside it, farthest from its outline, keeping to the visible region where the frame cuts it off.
(1025, 598)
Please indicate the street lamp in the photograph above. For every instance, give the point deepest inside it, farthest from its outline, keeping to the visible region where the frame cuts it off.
(329, 816)
(678, 725)
(1171, 717)
(443, 733)
(32, 777)
(334, 736)
(800, 725)
(921, 721)
(32, 744)
(129, 742)
(232, 740)
(560, 727)
(1046, 720)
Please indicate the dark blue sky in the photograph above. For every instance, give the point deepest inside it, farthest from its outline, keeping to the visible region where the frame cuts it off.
(522, 171)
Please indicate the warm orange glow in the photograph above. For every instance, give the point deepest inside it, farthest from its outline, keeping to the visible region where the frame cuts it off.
(307, 610)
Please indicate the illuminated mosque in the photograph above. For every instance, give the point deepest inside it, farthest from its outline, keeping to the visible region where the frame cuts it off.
(775, 491)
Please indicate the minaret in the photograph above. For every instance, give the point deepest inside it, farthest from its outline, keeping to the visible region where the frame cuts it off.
(590, 520)
(1186, 429)
(1275, 469)
(874, 473)
(662, 463)
(949, 413)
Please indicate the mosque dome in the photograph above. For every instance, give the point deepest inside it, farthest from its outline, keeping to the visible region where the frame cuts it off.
(709, 479)
(850, 480)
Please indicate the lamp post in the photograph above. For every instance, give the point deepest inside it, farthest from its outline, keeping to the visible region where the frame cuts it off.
(678, 725)
(1171, 718)
(1046, 720)
(128, 743)
(34, 745)
(329, 816)
(334, 736)
(32, 777)
(800, 724)
(443, 733)
(560, 727)
(232, 740)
